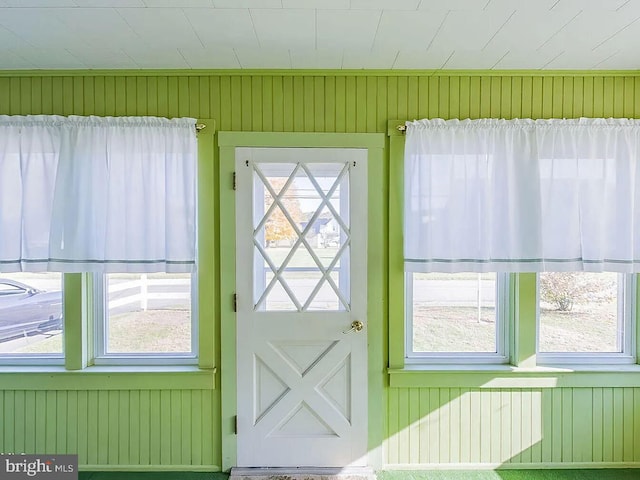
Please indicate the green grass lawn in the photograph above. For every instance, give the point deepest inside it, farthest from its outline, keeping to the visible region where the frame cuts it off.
(153, 331)
(443, 328)
(150, 331)
(586, 328)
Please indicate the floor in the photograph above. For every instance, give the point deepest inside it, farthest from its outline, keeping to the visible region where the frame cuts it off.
(595, 474)
(151, 476)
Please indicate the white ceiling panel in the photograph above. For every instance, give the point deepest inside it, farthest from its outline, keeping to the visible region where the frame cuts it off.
(587, 31)
(319, 4)
(631, 9)
(369, 59)
(464, 30)
(597, 5)
(621, 61)
(626, 39)
(12, 61)
(413, 60)
(223, 27)
(38, 27)
(418, 29)
(521, 5)
(352, 29)
(533, 27)
(263, 58)
(50, 58)
(210, 57)
(385, 4)
(299, 25)
(111, 3)
(322, 34)
(445, 5)
(247, 3)
(9, 40)
(525, 59)
(316, 59)
(156, 57)
(161, 27)
(579, 60)
(39, 3)
(101, 58)
(92, 25)
(473, 59)
(179, 3)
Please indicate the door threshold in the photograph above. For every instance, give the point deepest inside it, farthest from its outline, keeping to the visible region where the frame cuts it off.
(302, 473)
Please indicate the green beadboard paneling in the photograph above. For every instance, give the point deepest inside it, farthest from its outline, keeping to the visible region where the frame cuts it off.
(424, 425)
(115, 427)
(455, 425)
(333, 103)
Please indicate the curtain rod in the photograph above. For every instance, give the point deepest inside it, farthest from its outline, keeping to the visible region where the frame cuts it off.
(401, 128)
(200, 127)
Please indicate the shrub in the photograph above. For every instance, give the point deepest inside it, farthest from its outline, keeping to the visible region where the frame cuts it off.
(564, 289)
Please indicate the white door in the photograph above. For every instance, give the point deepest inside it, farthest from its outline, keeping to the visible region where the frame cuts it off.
(301, 285)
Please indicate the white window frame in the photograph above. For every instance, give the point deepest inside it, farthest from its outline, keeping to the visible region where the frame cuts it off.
(626, 299)
(100, 315)
(38, 359)
(503, 328)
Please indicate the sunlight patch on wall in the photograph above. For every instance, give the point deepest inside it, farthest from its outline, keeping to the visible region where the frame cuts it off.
(462, 426)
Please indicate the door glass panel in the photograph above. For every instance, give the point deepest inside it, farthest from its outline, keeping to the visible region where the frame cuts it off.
(301, 224)
(278, 299)
(326, 297)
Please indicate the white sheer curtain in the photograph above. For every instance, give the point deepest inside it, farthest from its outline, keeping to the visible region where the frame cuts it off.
(522, 195)
(29, 153)
(120, 195)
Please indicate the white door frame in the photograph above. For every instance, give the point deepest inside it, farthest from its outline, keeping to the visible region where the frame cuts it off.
(225, 238)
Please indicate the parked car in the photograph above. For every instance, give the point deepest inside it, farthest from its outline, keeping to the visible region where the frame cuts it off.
(25, 310)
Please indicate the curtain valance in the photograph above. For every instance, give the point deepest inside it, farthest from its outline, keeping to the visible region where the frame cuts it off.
(97, 194)
(522, 195)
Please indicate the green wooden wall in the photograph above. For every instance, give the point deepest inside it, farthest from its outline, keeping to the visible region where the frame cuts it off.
(164, 427)
(322, 103)
(529, 426)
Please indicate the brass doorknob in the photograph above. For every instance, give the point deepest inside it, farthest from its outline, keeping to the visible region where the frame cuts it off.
(356, 326)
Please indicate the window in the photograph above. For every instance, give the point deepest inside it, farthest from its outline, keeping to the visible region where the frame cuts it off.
(456, 318)
(77, 207)
(31, 320)
(145, 318)
(585, 317)
(477, 197)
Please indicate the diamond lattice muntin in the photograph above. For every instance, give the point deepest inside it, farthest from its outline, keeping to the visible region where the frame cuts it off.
(301, 236)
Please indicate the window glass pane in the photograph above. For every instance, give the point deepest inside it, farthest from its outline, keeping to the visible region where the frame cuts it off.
(31, 314)
(454, 312)
(302, 239)
(148, 313)
(579, 312)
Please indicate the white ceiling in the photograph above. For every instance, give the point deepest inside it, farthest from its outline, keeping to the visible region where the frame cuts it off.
(320, 34)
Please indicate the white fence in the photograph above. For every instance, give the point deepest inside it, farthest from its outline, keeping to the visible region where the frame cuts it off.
(142, 294)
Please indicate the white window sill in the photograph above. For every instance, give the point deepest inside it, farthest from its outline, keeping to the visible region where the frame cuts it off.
(508, 376)
(138, 377)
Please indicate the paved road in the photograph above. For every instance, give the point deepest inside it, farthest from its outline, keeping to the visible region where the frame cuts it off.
(449, 292)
